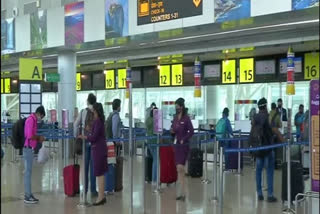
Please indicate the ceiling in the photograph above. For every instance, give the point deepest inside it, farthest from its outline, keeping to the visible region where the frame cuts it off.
(258, 36)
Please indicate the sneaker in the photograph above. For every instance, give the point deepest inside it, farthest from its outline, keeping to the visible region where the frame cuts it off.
(260, 198)
(30, 200)
(272, 199)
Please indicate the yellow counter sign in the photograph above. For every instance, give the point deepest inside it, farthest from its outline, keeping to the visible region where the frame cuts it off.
(177, 74)
(78, 82)
(109, 79)
(228, 71)
(30, 69)
(246, 70)
(311, 66)
(7, 85)
(164, 75)
(2, 86)
(122, 78)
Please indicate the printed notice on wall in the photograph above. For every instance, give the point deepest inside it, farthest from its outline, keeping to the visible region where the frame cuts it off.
(315, 144)
(153, 11)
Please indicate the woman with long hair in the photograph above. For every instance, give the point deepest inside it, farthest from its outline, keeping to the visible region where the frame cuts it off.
(98, 150)
(183, 130)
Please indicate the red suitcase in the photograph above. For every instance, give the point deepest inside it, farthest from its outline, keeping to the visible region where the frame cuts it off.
(168, 170)
(71, 179)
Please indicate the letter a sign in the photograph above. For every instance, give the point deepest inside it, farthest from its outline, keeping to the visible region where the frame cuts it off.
(30, 69)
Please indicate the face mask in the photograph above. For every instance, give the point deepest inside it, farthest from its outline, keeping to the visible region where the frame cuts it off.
(90, 107)
(178, 110)
(39, 119)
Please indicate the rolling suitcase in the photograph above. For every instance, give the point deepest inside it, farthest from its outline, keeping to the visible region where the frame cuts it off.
(110, 178)
(232, 158)
(148, 168)
(168, 170)
(297, 183)
(71, 175)
(195, 163)
(119, 174)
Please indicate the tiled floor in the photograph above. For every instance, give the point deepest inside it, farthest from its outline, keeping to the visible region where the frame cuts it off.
(239, 193)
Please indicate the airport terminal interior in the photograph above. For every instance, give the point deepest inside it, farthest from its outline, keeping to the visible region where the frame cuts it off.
(160, 106)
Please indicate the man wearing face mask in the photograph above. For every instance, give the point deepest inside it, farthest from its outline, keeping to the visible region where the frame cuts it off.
(282, 111)
(85, 121)
(31, 141)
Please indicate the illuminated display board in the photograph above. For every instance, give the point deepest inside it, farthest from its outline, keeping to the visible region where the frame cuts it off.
(153, 11)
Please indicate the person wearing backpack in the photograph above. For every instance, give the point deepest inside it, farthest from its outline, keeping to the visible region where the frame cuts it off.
(85, 120)
(261, 135)
(113, 131)
(224, 130)
(31, 141)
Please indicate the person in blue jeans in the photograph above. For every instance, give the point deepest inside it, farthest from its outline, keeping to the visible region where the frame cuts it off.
(31, 141)
(152, 149)
(85, 121)
(265, 158)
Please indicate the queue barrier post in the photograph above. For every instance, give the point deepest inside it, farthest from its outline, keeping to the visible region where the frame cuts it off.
(239, 155)
(215, 170)
(221, 182)
(158, 188)
(143, 175)
(205, 180)
(288, 209)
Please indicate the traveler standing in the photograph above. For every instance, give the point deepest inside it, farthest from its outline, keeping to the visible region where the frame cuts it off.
(98, 150)
(153, 149)
(261, 127)
(31, 141)
(224, 130)
(113, 131)
(183, 130)
(282, 111)
(298, 122)
(85, 121)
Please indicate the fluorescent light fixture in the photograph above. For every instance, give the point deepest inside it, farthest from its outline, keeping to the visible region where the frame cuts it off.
(241, 30)
(49, 56)
(101, 49)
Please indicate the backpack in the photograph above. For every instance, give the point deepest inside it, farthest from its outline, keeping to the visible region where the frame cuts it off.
(221, 128)
(260, 135)
(18, 139)
(108, 126)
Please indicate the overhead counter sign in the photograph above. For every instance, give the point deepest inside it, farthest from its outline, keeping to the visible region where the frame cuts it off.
(246, 70)
(311, 66)
(122, 78)
(30, 69)
(177, 74)
(153, 11)
(164, 75)
(228, 71)
(109, 75)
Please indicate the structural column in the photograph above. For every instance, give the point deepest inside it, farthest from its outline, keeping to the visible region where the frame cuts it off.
(67, 85)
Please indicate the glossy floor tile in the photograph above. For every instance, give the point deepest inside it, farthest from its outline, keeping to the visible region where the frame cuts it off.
(47, 185)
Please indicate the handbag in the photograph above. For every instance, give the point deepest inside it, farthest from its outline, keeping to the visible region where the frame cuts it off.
(43, 155)
(79, 141)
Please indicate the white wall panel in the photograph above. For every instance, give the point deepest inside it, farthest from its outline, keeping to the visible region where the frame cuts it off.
(55, 27)
(94, 20)
(206, 17)
(264, 7)
(22, 33)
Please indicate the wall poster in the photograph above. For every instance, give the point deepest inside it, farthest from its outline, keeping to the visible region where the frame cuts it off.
(226, 10)
(38, 25)
(74, 23)
(116, 17)
(303, 4)
(8, 36)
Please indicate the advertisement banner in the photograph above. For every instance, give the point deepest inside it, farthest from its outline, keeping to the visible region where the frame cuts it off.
(315, 140)
(226, 10)
(153, 11)
(38, 25)
(116, 17)
(303, 4)
(8, 36)
(74, 23)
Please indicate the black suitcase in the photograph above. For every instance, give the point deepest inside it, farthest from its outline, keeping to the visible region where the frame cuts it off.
(297, 183)
(148, 168)
(195, 163)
